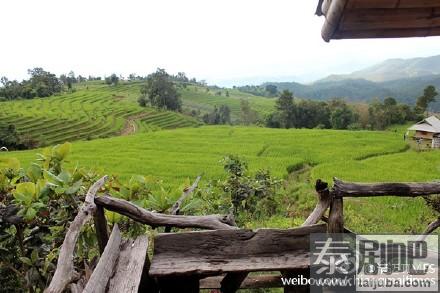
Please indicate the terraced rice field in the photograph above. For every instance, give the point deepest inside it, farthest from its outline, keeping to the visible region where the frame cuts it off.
(195, 97)
(174, 155)
(92, 111)
(177, 156)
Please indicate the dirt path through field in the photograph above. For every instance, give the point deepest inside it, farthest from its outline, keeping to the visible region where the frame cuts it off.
(130, 124)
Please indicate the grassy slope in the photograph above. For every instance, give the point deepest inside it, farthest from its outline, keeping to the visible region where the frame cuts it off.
(195, 97)
(176, 155)
(93, 110)
(96, 110)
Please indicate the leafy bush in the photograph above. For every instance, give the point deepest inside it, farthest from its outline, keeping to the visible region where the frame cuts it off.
(248, 197)
(37, 204)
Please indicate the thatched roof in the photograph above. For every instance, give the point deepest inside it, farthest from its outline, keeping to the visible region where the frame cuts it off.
(430, 124)
(355, 19)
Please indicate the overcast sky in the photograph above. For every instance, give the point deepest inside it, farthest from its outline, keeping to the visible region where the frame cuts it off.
(222, 41)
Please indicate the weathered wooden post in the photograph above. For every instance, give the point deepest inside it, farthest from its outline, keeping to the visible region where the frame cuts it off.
(336, 215)
(101, 228)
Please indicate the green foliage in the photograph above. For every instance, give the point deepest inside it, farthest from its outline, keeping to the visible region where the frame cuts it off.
(257, 90)
(428, 97)
(93, 110)
(41, 84)
(220, 115)
(336, 114)
(37, 203)
(389, 112)
(342, 116)
(160, 92)
(112, 80)
(10, 139)
(249, 197)
(248, 115)
(45, 198)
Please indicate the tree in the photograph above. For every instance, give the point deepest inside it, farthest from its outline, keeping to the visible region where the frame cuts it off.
(72, 77)
(286, 108)
(247, 114)
(220, 115)
(181, 76)
(272, 89)
(112, 79)
(312, 114)
(341, 114)
(160, 92)
(428, 97)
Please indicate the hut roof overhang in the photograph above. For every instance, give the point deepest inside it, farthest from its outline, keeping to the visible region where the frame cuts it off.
(430, 124)
(356, 19)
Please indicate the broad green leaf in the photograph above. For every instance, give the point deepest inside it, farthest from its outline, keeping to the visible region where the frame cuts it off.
(25, 192)
(34, 172)
(42, 188)
(13, 164)
(64, 176)
(74, 188)
(30, 214)
(52, 178)
(26, 260)
(61, 151)
(34, 256)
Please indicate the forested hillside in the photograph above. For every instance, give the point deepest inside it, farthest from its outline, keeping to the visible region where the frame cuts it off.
(402, 79)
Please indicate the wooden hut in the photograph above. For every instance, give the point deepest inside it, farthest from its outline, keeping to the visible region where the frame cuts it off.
(358, 19)
(427, 132)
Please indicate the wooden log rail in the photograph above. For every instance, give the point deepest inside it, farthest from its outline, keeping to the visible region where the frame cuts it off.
(123, 207)
(347, 189)
(93, 208)
(333, 199)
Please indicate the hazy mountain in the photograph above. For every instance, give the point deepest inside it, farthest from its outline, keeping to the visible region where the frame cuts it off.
(393, 69)
(403, 79)
(405, 90)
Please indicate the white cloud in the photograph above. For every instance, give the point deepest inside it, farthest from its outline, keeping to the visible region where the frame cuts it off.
(215, 39)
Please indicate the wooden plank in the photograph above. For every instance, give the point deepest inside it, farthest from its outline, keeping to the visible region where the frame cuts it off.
(157, 219)
(65, 272)
(333, 17)
(105, 267)
(101, 228)
(251, 282)
(369, 19)
(325, 6)
(336, 216)
(390, 33)
(130, 266)
(362, 4)
(343, 189)
(392, 4)
(418, 3)
(222, 251)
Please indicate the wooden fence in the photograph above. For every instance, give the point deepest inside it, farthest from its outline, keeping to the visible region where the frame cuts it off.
(221, 258)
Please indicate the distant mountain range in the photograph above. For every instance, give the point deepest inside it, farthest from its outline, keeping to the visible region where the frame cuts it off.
(403, 79)
(393, 69)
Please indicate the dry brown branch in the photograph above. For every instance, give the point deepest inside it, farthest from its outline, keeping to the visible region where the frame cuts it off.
(65, 272)
(213, 222)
